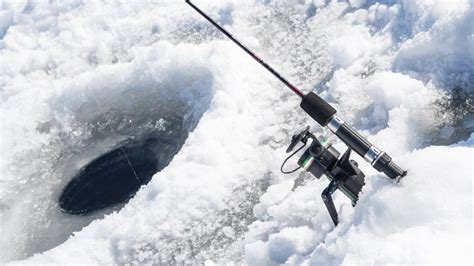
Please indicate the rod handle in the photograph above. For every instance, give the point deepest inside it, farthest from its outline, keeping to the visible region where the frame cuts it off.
(317, 108)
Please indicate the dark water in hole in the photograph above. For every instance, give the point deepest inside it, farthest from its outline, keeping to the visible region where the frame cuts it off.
(118, 174)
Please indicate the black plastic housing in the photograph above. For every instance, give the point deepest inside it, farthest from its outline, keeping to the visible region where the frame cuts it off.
(324, 163)
(352, 185)
(324, 160)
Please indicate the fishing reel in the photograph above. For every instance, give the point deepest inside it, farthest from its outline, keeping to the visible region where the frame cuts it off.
(321, 158)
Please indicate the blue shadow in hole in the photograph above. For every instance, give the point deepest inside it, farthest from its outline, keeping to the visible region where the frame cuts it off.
(117, 175)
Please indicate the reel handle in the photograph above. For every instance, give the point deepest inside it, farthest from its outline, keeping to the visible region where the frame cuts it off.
(302, 136)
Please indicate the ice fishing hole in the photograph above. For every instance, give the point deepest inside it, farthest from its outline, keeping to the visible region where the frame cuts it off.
(96, 129)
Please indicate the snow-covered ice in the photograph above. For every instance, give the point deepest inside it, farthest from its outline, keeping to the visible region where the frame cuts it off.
(401, 71)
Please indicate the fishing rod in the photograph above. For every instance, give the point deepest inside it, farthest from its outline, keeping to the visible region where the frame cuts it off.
(252, 54)
(321, 158)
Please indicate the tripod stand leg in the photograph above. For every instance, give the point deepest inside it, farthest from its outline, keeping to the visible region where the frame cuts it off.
(326, 195)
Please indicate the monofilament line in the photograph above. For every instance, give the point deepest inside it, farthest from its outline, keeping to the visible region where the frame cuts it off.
(114, 133)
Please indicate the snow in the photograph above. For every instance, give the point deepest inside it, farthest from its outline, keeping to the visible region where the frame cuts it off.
(357, 3)
(345, 55)
(393, 69)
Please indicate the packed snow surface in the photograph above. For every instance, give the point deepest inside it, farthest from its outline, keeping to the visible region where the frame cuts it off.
(79, 76)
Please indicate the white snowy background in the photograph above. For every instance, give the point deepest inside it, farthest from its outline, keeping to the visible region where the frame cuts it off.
(401, 71)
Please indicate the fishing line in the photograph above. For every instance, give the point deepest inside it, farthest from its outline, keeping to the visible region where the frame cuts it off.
(113, 133)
